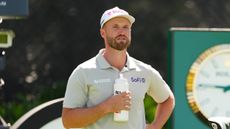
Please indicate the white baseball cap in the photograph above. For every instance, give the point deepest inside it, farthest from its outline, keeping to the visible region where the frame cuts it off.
(115, 12)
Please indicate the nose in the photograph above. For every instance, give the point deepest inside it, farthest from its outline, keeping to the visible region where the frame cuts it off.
(122, 31)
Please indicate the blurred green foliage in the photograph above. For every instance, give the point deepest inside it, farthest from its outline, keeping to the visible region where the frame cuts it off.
(150, 108)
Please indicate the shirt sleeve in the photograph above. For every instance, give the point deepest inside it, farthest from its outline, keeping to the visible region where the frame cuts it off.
(158, 89)
(76, 90)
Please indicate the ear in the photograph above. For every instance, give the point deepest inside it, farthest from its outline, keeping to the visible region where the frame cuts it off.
(102, 32)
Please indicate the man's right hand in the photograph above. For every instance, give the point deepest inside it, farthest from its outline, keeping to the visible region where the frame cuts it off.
(118, 102)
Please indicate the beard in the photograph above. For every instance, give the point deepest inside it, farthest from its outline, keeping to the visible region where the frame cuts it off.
(124, 42)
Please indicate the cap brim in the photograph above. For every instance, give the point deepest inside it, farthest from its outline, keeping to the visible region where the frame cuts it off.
(128, 17)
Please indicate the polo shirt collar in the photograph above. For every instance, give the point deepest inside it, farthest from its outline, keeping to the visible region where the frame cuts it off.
(130, 64)
(103, 63)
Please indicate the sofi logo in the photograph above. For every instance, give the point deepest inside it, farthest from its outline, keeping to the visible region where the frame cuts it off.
(137, 79)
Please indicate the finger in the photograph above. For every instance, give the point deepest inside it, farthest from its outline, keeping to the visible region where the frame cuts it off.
(129, 92)
(127, 97)
(128, 103)
(126, 93)
(127, 107)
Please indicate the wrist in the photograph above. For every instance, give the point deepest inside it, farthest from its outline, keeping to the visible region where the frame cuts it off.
(154, 125)
(103, 107)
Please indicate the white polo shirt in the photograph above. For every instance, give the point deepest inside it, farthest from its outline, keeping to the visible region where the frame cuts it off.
(92, 83)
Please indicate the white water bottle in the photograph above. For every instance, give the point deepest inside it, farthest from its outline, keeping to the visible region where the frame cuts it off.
(121, 85)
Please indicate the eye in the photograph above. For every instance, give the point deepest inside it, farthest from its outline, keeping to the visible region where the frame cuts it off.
(115, 27)
(126, 27)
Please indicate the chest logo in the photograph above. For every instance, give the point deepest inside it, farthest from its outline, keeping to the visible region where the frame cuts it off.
(137, 79)
(105, 80)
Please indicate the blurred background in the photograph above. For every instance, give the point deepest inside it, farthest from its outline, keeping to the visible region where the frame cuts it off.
(60, 34)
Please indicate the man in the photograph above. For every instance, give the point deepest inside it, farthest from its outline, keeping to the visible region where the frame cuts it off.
(89, 101)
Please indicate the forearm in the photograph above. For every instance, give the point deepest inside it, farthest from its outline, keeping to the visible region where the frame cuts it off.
(82, 117)
(163, 112)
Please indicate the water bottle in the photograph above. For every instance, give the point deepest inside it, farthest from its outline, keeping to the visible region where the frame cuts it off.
(121, 85)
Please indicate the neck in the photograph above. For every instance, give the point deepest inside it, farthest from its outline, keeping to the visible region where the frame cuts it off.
(115, 58)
